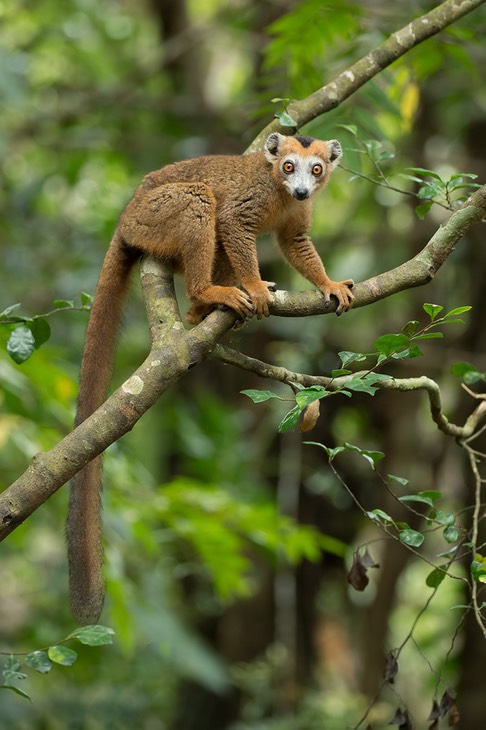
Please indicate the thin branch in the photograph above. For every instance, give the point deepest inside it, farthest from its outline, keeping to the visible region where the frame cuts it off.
(349, 81)
(280, 374)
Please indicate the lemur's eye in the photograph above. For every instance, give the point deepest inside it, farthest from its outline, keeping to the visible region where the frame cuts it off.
(288, 167)
(317, 170)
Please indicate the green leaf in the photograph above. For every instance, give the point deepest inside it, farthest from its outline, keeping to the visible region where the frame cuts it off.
(21, 344)
(259, 396)
(372, 457)
(339, 373)
(290, 420)
(469, 373)
(416, 498)
(436, 576)
(457, 311)
(12, 664)
(331, 452)
(17, 691)
(461, 175)
(11, 669)
(95, 635)
(428, 191)
(63, 303)
(388, 344)
(39, 660)
(278, 99)
(62, 655)
(348, 357)
(400, 480)
(445, 518)
(432, 494)
(432, 310)
(429, 336)
(411, 537)
(308, 395)
(411, 327)
(478, 571)
(423, 209)
(366, 383)
(426, 173)
(377, 514)
(285, 119)
(86, 299)
(351, 128)
(451, 534)
(6, 312)
(41, 331)
(471, 378)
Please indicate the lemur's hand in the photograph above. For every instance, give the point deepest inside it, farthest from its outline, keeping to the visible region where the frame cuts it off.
(342, 291)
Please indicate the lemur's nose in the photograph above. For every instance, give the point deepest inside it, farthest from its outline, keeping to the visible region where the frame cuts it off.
(301, 193)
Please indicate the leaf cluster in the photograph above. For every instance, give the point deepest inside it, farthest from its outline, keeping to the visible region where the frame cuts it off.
(27, 334)
(42, 660)
(431, 188)
(388, 347)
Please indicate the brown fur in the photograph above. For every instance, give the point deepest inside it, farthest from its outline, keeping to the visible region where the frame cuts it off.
(202, 216)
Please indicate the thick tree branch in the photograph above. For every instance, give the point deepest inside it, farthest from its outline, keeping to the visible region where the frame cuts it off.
(175, 350)
(398, 44)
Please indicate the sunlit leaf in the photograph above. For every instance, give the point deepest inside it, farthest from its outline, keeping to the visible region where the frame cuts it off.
(432, 310)
(62, 655)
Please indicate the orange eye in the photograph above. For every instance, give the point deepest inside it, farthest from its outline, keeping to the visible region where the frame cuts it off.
(288, 167)
(317, 170)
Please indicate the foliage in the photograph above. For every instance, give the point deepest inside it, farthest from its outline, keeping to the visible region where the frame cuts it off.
(388, 347)
(89, 106)
(29, 333)
(42, 660)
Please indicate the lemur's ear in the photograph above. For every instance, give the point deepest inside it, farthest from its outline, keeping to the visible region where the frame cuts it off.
(335, 152)
(272, 145)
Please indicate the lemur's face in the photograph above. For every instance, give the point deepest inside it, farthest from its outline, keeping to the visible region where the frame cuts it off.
(302, 164)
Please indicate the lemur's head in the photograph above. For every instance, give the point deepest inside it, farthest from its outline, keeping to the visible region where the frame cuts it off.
(302, 164)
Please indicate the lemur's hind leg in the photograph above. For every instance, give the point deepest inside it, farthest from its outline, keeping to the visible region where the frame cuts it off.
(177, 222)
(222, 275)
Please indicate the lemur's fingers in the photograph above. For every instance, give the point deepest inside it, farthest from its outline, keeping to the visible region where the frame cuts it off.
(342, 291)
(271, 285)
(261, 297)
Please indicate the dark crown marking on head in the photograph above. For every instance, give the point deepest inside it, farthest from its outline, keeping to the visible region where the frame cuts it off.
(305, 141)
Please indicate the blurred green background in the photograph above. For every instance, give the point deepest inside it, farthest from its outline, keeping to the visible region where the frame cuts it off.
(227, 545)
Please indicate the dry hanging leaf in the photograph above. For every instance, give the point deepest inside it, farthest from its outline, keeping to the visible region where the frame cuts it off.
(358, 574)
(310, 416)
(391, 668)
(402, 719)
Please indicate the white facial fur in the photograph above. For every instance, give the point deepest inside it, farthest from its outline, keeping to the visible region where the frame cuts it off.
(305, 164)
